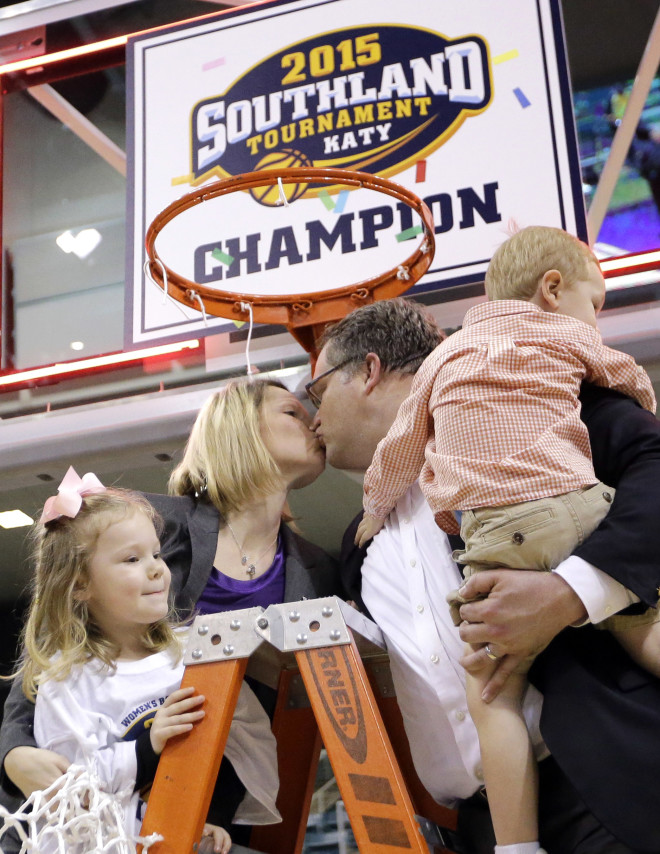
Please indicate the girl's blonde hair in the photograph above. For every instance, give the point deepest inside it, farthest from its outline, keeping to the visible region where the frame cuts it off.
(60, 633)
(226, 456)
(519, 264)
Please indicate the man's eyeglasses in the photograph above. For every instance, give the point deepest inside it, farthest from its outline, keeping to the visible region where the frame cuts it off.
(314, 396)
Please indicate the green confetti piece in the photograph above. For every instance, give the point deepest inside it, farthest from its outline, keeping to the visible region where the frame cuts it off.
(238, 323)
(408, 233)
(221, 256)
(324, 195)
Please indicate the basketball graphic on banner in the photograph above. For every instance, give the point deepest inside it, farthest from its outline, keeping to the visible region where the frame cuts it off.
(284, 159)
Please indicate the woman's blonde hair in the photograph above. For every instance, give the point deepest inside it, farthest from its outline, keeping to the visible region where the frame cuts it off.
(519, 264)
(226, 457)
(60, 633)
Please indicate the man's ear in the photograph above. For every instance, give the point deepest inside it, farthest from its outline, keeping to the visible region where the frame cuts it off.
(374, 372)
(550, 288)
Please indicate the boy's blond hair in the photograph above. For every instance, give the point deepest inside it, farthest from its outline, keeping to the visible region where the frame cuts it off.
(60, 633)
(520, 263)
(226, 457)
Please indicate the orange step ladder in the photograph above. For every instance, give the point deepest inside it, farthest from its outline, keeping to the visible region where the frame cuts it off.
(332, 675)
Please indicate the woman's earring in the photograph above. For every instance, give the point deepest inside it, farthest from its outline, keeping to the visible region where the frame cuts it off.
(203, 489)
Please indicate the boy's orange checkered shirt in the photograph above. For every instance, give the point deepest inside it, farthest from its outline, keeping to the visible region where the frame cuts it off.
(493, 416)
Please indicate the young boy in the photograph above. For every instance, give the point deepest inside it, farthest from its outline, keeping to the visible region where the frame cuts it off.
(492, 430)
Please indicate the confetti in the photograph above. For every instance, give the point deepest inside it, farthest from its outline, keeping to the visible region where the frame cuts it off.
(520, 95)
(214, 63)
(324, 195)
(219, 255)
(340, 204)
(420, 174)
(408, 233)
(505, 57)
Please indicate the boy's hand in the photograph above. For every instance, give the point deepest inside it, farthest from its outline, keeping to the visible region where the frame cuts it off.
(367, 529)
(178, 714)
(214, 839)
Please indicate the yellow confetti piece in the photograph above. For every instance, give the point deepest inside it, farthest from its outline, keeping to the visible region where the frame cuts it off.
(505, 57)
(183, 179)
(238, 323)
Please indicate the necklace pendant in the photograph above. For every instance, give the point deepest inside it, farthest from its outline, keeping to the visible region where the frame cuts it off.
(251, 570)
(244, 560)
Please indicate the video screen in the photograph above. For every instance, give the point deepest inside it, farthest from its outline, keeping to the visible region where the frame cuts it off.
(632, 223)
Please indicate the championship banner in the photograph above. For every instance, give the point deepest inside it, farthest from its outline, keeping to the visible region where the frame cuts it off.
(466, 103)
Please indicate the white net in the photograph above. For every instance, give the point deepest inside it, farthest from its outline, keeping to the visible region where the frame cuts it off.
(72, 816)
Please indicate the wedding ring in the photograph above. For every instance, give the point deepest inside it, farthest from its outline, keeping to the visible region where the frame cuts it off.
(489, 652)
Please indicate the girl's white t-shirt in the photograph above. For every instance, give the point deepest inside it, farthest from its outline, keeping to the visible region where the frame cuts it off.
(94, 716)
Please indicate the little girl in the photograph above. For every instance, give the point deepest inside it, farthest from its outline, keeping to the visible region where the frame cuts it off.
(104, 663)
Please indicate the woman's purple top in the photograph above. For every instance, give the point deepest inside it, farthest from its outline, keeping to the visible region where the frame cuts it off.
(223, 593)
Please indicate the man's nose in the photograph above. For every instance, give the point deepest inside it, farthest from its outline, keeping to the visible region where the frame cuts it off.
(316, 422)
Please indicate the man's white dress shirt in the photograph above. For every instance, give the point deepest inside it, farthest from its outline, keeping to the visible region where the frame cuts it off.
(407, 573)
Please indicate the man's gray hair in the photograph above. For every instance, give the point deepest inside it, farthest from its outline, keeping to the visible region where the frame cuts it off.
(401, 333)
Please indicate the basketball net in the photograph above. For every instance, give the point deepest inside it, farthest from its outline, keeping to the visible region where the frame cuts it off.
(73, 816)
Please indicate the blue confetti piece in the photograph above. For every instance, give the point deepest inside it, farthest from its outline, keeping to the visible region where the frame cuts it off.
(340, 204)
(520, 95)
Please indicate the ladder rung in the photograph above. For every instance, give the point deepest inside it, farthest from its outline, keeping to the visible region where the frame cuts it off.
(373, 776)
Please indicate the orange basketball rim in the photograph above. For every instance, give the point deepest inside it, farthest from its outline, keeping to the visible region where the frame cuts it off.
(304, 315)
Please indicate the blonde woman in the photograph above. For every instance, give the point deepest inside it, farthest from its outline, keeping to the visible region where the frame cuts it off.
(226, 541)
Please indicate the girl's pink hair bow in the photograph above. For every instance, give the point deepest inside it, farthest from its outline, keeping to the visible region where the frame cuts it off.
(70, 494)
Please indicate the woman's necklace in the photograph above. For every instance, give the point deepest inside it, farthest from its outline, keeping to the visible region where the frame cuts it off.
(251, 565)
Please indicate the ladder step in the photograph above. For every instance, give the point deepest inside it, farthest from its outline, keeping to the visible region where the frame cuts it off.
(324, 691)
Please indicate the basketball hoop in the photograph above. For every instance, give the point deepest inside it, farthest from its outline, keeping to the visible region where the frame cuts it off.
(304, 315)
